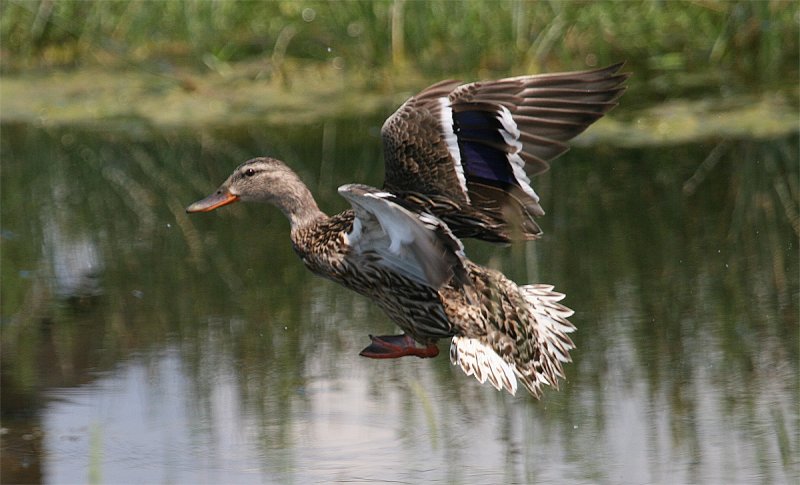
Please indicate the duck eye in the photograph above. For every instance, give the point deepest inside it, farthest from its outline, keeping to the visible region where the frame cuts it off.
(250, 172)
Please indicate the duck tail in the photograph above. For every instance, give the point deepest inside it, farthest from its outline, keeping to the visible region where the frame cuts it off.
(476, 357)
(549, 335)
(542, 345)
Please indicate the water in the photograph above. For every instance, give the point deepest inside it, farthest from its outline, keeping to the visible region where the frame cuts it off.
(141, 344)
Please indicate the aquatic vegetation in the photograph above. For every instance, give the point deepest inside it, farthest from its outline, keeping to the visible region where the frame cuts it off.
(673, 47)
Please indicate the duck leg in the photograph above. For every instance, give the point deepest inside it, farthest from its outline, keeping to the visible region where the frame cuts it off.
(394, 346)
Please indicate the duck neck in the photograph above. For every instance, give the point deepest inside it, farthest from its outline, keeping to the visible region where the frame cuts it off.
(299, 206)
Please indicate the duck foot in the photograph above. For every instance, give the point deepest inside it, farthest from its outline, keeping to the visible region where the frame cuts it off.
(394, 346)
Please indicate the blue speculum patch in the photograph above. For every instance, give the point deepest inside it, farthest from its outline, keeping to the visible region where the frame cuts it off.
(480, 159)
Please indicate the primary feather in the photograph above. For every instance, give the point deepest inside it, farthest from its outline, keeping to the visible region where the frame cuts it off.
(477, 144)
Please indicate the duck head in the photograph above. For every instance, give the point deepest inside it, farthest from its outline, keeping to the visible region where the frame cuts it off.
(266, 180)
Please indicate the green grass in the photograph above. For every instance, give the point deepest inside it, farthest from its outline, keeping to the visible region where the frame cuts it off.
(673, 47)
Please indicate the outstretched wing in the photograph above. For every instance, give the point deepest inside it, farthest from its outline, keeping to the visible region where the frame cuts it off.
(404, 240)
(475, 145)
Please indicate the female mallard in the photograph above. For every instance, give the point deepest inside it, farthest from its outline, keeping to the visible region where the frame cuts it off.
(455, 159)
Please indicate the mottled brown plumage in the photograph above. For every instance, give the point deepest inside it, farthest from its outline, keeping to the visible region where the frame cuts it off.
(455, 158)
(459, 299)
(545, 110)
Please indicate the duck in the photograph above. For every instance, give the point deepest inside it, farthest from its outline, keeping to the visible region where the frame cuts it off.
(458, 160)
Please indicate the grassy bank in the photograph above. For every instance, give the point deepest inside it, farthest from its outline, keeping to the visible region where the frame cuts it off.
(675, 48)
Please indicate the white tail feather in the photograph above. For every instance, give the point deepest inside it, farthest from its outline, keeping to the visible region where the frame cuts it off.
(478, 359)
(552, 339)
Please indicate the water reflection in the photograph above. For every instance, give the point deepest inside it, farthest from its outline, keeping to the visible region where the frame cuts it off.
(208, 353)
(75, 261)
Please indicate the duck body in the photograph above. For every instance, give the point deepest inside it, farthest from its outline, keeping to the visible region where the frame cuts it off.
(495, 315)
(328, 247)
(325, 249)
(455, 160)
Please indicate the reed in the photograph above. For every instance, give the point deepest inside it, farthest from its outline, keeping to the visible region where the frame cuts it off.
(671, 46)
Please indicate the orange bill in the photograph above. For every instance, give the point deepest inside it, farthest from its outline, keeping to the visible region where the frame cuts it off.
(213, 201)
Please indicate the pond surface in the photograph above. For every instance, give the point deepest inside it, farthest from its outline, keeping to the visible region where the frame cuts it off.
(144, 345)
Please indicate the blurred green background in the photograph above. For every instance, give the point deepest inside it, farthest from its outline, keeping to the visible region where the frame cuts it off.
(672, 226)
(675, 48)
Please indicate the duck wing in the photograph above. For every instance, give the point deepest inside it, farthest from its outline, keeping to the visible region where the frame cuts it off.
(394, 235)
(465, 151)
